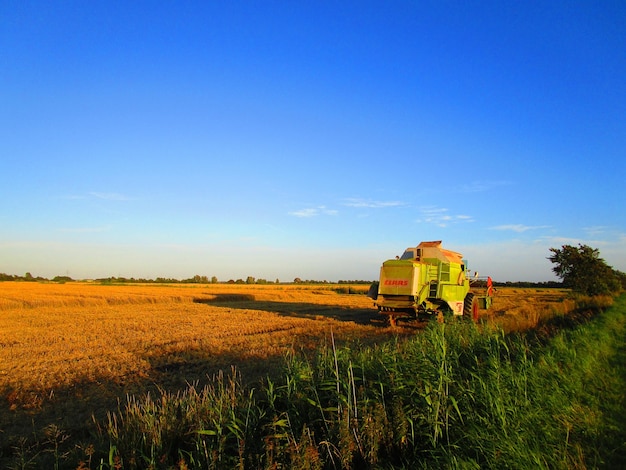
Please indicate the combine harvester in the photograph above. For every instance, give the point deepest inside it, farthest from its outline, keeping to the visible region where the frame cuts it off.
(428, 280)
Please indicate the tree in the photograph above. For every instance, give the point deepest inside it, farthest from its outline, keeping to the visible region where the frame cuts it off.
(582, 270)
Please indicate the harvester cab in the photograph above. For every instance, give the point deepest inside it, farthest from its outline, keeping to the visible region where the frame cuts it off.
(429, 280)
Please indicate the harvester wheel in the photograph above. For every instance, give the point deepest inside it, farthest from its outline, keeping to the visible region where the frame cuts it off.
(372, 292)
(470, 307)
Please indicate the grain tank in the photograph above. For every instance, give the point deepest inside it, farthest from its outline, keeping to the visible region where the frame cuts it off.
(428, 280)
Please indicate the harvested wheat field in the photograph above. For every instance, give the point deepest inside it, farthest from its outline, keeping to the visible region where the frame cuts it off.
(70, 351)
(54, 336)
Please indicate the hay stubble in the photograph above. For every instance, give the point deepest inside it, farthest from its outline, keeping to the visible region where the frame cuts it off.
(68, 351)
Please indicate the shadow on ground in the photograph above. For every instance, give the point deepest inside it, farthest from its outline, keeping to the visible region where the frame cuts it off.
(360, 316)
(37, 425)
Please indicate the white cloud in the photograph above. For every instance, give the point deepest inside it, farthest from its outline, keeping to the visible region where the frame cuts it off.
(441, 217)
(595, 231)
(310, 212)
(481, 186)
(558, 241)
(357, 202)
(109, 196)
(519, 228)
(350, 202)
(313, 212)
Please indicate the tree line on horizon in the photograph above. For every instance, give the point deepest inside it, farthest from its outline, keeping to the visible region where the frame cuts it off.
(580, 268)
(249, 280)
(197, 279)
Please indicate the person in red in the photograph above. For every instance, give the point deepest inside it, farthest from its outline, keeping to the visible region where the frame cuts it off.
(489, 286)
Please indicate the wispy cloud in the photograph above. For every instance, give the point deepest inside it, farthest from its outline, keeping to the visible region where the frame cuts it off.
(595, 231)
(109, 196)
(441, 216)
(481, 186)
(313, 212)
(595, 236)
(519, 228)
(558, 240)
(357, 202)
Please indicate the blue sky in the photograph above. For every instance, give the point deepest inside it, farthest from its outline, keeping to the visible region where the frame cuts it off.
(308, 139)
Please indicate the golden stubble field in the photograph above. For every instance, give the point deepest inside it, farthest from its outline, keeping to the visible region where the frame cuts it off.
(68, 351)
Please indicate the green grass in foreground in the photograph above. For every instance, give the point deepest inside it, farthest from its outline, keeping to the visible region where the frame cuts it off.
(455, 396)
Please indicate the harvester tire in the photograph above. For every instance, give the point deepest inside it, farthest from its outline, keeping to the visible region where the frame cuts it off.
(372, 292)
(470, 307)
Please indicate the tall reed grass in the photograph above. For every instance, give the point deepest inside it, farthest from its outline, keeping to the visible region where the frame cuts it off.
(456, 396)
